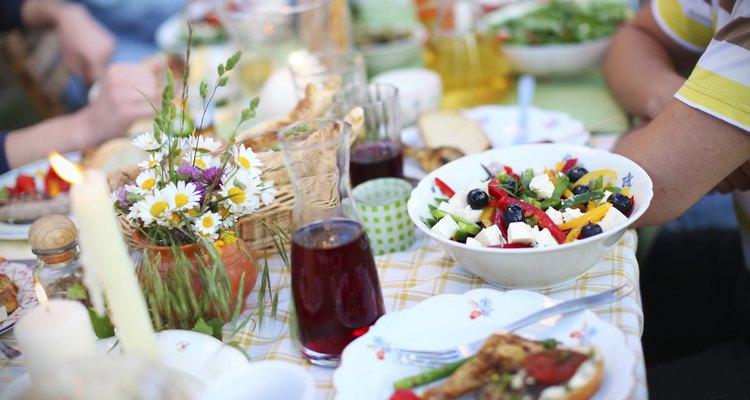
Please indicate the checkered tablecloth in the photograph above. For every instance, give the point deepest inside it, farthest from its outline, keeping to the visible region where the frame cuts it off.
(410, 277)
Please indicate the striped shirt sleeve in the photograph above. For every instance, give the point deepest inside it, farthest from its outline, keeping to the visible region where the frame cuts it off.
(720, 83)
(689, 23)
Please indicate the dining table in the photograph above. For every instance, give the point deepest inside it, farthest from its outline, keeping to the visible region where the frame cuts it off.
(424, 270)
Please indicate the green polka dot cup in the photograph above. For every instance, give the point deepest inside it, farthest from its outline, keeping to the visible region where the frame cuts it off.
(382, 207)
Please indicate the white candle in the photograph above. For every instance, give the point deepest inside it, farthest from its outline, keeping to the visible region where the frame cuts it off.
(53, 334)
(103, 249)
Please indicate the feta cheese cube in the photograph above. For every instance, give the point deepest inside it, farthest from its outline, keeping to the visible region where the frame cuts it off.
(604, 199)
(458, 200)
(521, 232)
(447, 208)
(479, 185)
(468, 214)
(446, 227)
(490, 236)
(545, 239)
(555, 216)
(470, 241)
(612, 219)
(542, 186)
(570, 214)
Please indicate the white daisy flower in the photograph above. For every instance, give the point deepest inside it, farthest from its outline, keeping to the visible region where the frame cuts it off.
(241, 193)
(204, 144)
(147, 141)
(154, 159)
(153, 208)
(267, 193)
(246, 159)
(181, 196)
(202, 161)
(207, 225)
(145, 182)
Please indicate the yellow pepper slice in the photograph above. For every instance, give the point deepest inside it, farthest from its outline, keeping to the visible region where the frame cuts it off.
(559, 165)
(625, 191)
(590, 206)
(567, 194)
(486, 216)
(593, 215)
(604, 173)
(573, 234)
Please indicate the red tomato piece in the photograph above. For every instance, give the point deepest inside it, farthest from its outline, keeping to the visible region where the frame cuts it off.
(553, 367)
(444, 187)
(404, 394)
(53, 184)
(25, 184)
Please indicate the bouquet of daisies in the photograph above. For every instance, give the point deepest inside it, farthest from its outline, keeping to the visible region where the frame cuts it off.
(192, 188)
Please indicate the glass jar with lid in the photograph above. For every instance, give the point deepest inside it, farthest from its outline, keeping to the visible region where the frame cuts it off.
(53, 239)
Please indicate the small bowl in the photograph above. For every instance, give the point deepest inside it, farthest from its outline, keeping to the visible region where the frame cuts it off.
(531, 268)
(419, 90)
(263, 380)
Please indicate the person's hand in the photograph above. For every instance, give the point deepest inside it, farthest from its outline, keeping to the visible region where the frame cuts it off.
(86, 45)
(121, 100)
(739, 179)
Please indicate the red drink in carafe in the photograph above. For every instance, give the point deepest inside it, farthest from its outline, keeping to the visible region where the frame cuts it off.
(335, 284)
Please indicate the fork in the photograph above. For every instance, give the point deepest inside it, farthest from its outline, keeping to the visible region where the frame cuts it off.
(9, 352)
(434, 358)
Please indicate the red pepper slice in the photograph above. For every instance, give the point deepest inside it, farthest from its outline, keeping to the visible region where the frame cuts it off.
(53, 184)
(516, 245)
(25, 184)
(494, 188)
(497, 219)
(553, 367)
(509, 172)
(444, 187)
(570, 163)
(403, 394)
(540, 216)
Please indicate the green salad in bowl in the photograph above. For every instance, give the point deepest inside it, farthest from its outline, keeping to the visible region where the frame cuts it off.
(561, 21)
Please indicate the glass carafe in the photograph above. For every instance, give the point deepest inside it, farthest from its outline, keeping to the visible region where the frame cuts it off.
(470, 62)
(335, 284)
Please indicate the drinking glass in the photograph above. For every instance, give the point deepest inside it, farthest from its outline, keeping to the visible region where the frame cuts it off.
(321, 66)
(335, 284)
(268, 31)
(376, 153)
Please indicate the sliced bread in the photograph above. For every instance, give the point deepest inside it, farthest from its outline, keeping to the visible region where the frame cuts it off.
(452, 129)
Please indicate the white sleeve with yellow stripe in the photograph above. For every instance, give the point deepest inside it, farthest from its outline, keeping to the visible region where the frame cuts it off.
(720, 83)
(690, 23)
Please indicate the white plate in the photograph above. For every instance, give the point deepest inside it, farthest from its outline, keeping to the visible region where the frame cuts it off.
(22, 276)
(368, 369)
(202, 357)
(37, 169)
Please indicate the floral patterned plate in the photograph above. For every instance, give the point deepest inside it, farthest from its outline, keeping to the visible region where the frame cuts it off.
(368, 369)
(22, 276)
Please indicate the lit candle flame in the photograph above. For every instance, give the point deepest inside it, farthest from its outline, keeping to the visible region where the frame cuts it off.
(41, 295)
(65, 169)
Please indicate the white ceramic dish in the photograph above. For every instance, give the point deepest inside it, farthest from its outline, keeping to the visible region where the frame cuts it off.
(202, 358)
(531, 268)
(368, 369)
(22, 276)
(263, 380)
(37, 169)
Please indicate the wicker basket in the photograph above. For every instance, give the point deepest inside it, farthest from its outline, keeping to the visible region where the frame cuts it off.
(252, 230)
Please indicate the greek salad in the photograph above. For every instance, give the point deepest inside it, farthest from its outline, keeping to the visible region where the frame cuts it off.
(531, 208)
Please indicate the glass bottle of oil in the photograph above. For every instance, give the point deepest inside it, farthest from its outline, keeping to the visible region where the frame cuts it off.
(470, 63)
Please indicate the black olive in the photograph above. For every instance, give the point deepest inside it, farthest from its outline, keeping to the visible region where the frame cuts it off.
(477, 199)
(580, 189)
(575, 173)
(512, 213)
(590, 230)
(621, 202)
(510, 184)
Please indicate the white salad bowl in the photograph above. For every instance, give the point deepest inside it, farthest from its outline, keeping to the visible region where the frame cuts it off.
(531, 268)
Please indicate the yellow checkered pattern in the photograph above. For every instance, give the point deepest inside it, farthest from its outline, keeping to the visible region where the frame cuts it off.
(410, 277)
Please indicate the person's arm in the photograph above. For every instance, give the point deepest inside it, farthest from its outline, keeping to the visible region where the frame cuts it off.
(686, 152)
(642, 66)
(118, 105)
(86, 45)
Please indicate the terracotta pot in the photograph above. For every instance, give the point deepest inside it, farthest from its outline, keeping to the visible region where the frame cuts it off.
(234, 259)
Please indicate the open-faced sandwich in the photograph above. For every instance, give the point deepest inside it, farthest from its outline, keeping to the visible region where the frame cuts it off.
(8, 296)
(30, 198)
(512, 367)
